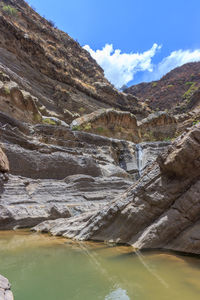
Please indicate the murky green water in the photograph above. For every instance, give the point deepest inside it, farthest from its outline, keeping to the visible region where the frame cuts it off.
(46, 268)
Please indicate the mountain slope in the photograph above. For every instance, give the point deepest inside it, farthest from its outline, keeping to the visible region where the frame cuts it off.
(50, 65)
(172, 91)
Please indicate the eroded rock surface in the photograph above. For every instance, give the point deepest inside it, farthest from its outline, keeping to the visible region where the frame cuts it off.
(59, 173)
(16, 102)
(100, 179)
(124, 125)
(111, 123)
(47, 63)
(158, 127)
(160, 210)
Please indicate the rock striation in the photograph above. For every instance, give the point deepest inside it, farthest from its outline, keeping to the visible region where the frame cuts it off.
(114, 173)
(160, 210)
(109, 122)
(52, 67)
(157, 126)
(56, 172)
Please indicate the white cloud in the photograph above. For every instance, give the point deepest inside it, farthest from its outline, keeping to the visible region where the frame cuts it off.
(119, 67)
(175, 59)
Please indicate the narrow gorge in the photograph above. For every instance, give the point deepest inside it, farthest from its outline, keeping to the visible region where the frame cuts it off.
(82, 160)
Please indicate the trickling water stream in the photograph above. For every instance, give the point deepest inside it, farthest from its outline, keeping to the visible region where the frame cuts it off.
(139, 159)
(47, 268)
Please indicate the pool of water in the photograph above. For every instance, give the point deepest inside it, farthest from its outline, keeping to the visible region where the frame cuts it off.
(48, 268)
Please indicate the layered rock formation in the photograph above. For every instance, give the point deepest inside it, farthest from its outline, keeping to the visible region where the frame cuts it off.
(161, 210)
(54, 68)
(56, 172)
(5, 292)
(124, 125)
(109, 122)
(16, 102)
(100, 177)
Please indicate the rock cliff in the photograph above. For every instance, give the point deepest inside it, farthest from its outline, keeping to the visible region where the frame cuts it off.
(160, 210)
(48, 64)
(81, 159)
(56, 172)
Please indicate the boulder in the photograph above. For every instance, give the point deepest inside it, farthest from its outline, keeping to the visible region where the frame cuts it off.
(4, 164)
(18, 103)
(5, 292)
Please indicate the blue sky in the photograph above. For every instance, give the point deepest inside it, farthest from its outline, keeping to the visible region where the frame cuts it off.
(153, 36)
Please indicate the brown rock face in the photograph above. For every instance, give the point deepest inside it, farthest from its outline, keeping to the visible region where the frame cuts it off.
(173, 91)
(4, 164)
(157, 127)
(52, 67)
(161, 210)
(18, 103)
(109, 122)
(124, 125)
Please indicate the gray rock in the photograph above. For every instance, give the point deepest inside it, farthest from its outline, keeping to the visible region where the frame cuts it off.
(26, 202)
(5, 292)
(57, 173)
(161, 210)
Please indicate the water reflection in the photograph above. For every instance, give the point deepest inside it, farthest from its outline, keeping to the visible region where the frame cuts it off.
(118, 294)
(46, 268)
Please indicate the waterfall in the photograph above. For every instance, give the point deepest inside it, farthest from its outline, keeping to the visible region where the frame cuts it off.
(139, 158)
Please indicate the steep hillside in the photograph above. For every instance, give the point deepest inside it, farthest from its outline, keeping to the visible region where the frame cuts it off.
(74, 148)
(52, 67)
(174, 91)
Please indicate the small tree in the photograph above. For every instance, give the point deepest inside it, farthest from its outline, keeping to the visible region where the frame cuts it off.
(51, 23)
(9, 10)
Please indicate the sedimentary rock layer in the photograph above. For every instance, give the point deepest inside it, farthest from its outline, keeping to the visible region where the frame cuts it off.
(160, 210)
(59, 173)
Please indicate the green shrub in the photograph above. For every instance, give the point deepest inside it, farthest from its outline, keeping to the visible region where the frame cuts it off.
(100, 129)
(167, 139)
(195, 122)
(87, 126)
(76, 127)
(37, 117)
(7, 90)
(189, 83)
(154, 84)
(9, 10)
(51, 23)
(193, 87)
(48, 121)
(81, 110)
